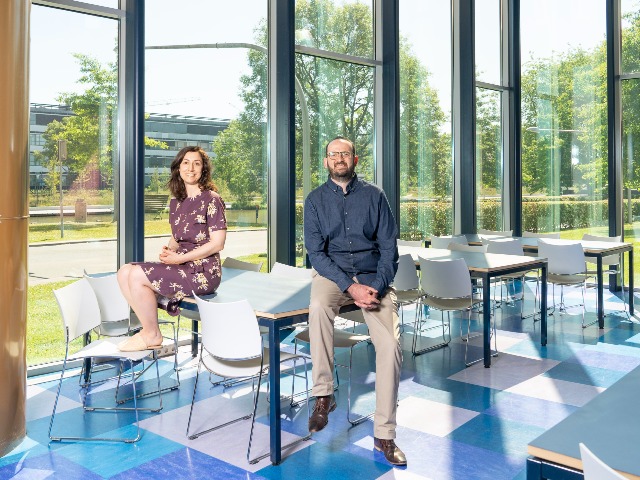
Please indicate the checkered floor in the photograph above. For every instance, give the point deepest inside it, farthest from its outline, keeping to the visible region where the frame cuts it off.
(453, 422)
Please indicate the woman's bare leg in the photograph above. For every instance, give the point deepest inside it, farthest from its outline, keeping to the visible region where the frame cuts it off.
(123, 281)
(142, 298)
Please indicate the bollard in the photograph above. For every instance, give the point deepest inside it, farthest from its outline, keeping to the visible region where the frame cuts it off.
(81, 211)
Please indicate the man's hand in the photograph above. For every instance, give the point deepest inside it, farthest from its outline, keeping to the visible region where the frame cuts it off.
(364, 297)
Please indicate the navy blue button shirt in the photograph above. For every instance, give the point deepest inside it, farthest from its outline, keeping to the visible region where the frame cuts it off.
(351, 234)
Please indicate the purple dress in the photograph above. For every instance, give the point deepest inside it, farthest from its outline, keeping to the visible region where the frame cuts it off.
(192, 222)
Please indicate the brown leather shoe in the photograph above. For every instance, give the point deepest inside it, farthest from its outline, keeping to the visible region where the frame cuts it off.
(320, 415)
(391, 451)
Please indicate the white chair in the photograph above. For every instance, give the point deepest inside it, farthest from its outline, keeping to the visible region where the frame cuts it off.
(566, 267)
(80, 316)
(410, 243)
(231, 262)
(290, 271)
(497, 233)
(611, 264)
(594, 468)
(406, 284)
(114, 310)
(222, 354)
(555, 235)
(509, 246)
(228, 262)
(115, 320)
(447, 286)
(444, 241)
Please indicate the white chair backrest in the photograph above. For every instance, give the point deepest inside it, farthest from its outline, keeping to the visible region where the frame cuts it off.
(410, 243)
(498, 233)
(230, 331)
(507, 246)
(458, 247)
(113, 305)
(541, 235)
(445, 278)
(565, 258)
(78, 307)
(444, 241)
(609, 259)
(594, 468)
(285, 270)
(230, 262)
(407, 275)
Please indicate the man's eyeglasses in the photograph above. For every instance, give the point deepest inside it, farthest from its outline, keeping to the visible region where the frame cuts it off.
(333, 155)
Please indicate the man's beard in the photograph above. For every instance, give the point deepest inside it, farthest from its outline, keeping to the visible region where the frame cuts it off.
(347, 175)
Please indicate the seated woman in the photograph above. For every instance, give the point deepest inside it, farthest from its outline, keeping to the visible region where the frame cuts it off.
(191, 260)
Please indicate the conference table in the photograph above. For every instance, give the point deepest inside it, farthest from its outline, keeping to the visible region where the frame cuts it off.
(278, 302)
(595, 249)
(487, 266)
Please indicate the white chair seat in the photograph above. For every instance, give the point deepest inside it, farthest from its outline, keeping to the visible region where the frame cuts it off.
(450, 303)
(407, 296)
(576, 279)
(341, 338)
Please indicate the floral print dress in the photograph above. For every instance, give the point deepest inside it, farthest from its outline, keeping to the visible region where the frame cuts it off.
(192, 222)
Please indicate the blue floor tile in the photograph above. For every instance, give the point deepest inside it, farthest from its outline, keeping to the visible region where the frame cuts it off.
(492, 445)
(186, 464)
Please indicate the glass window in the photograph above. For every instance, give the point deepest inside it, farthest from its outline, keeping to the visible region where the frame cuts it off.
(488, 42)
(630, 55)
(426, 165)
(489, 157)
(564, 117)
(74, 91)
(337, 100)
(214, 97)
(340, 26)
(630, 61)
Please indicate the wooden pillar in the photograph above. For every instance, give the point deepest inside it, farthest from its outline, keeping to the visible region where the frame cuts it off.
(14, 210)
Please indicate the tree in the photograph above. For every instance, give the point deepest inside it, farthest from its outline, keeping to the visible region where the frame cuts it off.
(339, 97)
(90, 131)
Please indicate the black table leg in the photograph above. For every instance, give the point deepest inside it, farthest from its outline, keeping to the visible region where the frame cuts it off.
(600, 294)
(543, 305)
(194, 338)
(274, 393)
(486, 320)
(631, 310)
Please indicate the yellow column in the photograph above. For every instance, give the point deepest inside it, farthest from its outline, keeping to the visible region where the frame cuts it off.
(14, 210)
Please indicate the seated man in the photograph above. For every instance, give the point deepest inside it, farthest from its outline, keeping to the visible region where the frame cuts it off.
(350, 236)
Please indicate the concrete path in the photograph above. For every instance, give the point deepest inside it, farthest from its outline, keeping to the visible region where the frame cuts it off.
(64, 261)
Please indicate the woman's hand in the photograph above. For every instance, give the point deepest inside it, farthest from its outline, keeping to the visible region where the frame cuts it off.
(169, 256)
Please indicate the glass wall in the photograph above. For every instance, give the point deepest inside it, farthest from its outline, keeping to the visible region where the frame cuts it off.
(564, 117)
(73, 92)
(630, 88)
(426, 162)
(214, 97)
(332, 97)
(489, 108)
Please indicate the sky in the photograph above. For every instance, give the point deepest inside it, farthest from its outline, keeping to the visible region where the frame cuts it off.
(206, 82)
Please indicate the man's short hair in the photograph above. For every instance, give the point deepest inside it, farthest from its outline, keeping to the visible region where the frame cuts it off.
(344, 139)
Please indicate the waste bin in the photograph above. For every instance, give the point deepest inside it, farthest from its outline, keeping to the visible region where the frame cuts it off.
(81, 211)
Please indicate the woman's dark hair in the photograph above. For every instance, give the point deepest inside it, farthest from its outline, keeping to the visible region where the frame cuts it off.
(176, 184)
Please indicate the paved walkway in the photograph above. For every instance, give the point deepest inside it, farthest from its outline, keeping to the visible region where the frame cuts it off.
(63, 261)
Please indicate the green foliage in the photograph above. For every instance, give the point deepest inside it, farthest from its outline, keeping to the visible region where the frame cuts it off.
(90, 132)
(419, 220)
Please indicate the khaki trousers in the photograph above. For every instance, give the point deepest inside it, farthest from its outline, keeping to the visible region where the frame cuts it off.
(326, 300)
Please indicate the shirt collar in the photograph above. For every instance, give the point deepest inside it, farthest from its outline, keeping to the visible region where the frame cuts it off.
(351, 186)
